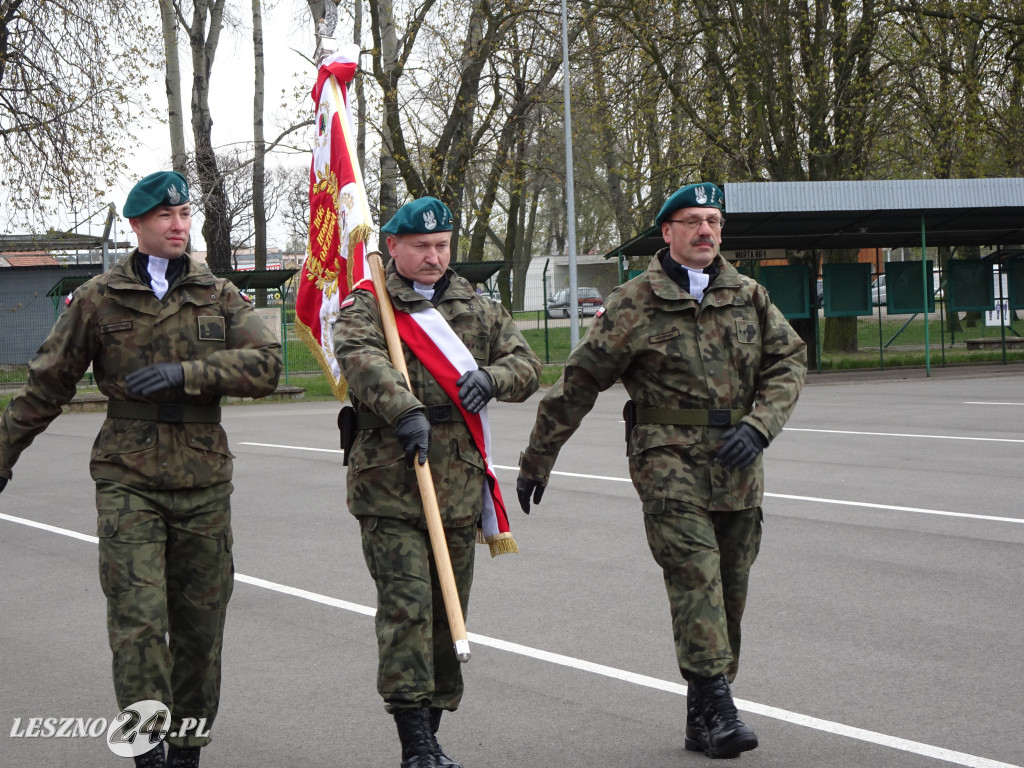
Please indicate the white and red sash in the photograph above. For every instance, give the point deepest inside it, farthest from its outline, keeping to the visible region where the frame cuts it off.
(446, 358)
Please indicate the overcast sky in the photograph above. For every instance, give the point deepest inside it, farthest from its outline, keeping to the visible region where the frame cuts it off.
(287, 31)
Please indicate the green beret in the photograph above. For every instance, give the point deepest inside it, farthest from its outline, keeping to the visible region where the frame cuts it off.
(705, 195)
(428, 214)
(160, 188)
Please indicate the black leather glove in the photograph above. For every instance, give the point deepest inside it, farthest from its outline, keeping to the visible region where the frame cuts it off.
(155, 378)
(740, 446)
(413, 430)
(475, 389)
(3, 484)
(525, 487)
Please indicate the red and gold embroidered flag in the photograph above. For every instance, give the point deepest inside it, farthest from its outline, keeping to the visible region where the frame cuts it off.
(339, 216)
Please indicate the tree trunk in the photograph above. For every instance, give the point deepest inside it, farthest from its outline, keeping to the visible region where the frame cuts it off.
(807, 328)
(610, 141)
(216, 222)
(972, 319)
(172, 82)
(259, 211)
(357, 37)
(953, 326)
(840, 332)
(514, 229)
(387, 70)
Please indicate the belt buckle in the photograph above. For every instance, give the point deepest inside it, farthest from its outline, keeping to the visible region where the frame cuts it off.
(719, 417)
(440, 413)
(173, 413)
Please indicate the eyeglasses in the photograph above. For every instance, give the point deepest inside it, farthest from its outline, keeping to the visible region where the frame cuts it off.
(693, 222)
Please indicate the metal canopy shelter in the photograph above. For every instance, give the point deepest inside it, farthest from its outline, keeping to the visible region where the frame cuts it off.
(805, 215)
(477, 271)
(257, 279)
(250, 280)
(56, 241)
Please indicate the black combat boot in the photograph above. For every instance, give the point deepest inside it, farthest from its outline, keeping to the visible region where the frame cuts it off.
(182, 757)
(696, 737)
(152, 759)
(419, 747)
(725, 734)
(435, 723)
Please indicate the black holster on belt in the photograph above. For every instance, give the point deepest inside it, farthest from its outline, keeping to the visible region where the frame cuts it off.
(629, 416)
(347, 427)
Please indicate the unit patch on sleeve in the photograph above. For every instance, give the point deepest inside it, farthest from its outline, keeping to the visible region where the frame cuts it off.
(211, 328)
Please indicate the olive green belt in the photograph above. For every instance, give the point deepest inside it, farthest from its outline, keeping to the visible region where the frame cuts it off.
(437, 414)
(171, 413)
(691, 417)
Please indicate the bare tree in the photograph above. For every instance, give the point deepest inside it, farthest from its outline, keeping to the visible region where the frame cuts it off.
(69, 99)
(290, 185)
(204, 28)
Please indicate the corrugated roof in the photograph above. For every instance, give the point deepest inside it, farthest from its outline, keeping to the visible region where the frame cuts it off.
(918, 194)
(809, 215)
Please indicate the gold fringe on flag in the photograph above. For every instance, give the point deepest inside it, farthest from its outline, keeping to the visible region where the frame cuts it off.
(502, 544)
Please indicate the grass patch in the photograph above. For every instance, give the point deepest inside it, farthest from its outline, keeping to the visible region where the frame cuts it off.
(908, 330)
(550, 344)
(550, 374)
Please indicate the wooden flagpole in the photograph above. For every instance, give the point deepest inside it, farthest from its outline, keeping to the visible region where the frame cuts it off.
(423, 477)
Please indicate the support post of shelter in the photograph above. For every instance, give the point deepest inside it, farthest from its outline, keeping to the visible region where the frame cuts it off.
(924, 295)
(1002, 311)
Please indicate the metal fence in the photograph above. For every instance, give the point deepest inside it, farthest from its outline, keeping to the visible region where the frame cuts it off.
(884, 339)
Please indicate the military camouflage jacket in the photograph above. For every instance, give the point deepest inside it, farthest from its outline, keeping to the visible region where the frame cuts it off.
(733, 350)
(379, 482)
(117, 324)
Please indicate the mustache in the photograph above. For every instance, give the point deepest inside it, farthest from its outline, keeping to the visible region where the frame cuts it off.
(703, 239)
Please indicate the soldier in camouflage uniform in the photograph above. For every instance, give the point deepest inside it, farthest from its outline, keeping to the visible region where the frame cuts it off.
(419, 675)
(713, 371)
(166, 339)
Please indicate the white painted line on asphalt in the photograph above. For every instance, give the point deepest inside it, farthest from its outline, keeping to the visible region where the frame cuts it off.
(841, 502)
(900, 434)
(918, 510)
(982, 402)
(828, 726)
(50, 528)
(294, 447)
(678, 689)
(315, 597)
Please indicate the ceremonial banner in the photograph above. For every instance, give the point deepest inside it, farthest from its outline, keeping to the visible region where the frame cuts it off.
(339, 216)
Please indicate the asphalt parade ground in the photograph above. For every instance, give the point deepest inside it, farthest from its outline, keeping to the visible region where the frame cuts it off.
(885, 624)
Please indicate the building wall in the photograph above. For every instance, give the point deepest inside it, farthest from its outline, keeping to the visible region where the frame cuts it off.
(26, 313)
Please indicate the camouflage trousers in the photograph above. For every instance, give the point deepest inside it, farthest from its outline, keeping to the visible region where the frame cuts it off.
(417, 666)
(706, 559)
(167, 572)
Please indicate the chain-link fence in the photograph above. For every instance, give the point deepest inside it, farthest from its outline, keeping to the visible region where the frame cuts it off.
(26, 316)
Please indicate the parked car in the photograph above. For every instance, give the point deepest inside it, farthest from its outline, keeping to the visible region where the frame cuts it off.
(588, 300)
(878, 290)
